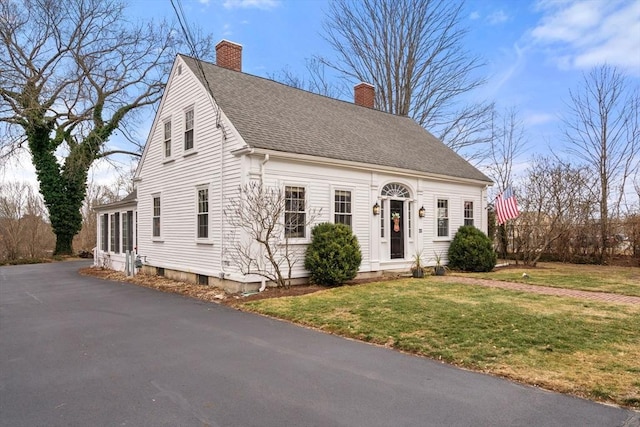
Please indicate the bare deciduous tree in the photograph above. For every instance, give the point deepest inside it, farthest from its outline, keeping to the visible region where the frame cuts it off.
(508, 142)
(71, 74)
(556, 201)
(603, 130)
(267, 218)
(316, 81)
(412, 52)
(24, 231)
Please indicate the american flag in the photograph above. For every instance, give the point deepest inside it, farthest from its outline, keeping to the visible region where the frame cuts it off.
(506, 206)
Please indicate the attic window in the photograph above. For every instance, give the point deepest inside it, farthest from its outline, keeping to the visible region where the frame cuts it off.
(188, 129)
(179, 69)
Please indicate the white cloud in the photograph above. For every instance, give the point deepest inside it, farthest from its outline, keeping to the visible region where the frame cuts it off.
(205, 2)
(474, 15)
(584, 33)
(226, 30)
(497, 17)
(533, 119)
(246, 4)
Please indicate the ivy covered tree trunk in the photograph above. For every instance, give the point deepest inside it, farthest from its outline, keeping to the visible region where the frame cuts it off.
(71, 73)
(62, 187)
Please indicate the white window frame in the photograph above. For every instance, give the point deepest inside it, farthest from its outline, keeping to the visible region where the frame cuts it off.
(296, 239)
(333, 205)
(167, 141)
(384, 233)
(155, 237)
(191, 109)
(464, 213)
(207, 238)
(124, 237)
(114, 233)
(448, 218)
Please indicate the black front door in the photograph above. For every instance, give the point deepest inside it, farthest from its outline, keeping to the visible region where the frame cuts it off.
(397, 229)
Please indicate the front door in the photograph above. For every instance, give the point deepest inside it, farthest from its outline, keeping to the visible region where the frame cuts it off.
(397, 229)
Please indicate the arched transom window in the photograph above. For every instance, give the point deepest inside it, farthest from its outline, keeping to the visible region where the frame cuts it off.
(395, 190)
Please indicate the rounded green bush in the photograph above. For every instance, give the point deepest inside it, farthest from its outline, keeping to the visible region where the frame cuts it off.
(471, 250)
(334, 256)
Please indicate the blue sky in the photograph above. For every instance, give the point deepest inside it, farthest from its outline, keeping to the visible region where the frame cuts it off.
(534, 51)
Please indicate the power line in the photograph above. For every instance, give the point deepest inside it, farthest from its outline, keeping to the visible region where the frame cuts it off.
(194, 53)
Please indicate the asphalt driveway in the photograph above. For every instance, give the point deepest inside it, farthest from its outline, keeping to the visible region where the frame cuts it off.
(79, 351)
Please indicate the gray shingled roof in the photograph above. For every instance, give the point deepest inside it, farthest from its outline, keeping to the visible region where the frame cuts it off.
(273, 116)
(129, 200)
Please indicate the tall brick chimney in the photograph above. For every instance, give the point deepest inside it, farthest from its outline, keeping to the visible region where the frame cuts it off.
(364, 95)
(229, 55)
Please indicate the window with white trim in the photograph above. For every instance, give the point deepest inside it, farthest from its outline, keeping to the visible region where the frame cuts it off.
(156, 217)
(443, 218)
(342, 207)
(115, 232)
(382, 221)
(167, 138)
(203, 213)
(468, 213)
(409, 219)
(294, 212)
(104, 228)
(127, 231)
(188, 129)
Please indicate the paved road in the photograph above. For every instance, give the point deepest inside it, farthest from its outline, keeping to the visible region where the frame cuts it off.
(78, 351)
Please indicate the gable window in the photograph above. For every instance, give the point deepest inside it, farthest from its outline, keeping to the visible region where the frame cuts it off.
(104, 227)
(167, 138)
(115, 232)
(127, 231)
(468, 213)
(342, 207)
(294, 212)
(443, 218)
(156, 216)
(203, 213)
(188, 129)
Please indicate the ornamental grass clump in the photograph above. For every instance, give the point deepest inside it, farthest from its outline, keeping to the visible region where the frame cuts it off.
(334, 256)
(471, 250)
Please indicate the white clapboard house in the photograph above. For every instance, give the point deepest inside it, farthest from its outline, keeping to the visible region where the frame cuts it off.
(400, 189)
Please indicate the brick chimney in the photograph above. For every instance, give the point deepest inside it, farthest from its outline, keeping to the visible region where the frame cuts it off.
(364, 95)
(229, 55)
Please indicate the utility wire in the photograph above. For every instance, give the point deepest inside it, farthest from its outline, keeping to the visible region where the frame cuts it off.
(194, 53)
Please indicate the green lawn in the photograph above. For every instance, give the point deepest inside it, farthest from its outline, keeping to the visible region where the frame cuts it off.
(585, 348)
(619, 280)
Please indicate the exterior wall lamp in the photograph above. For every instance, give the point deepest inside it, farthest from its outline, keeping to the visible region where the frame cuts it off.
(421, 212)
(376, 209)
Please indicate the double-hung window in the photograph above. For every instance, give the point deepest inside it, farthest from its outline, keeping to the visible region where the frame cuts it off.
(342, 207)
(115, 232)
(443, 218)
(203, 213)
(468, 213)
(188, 130)
(167, 138)
(294, 212)
(156, 217)
(104, 228)
(127, 231)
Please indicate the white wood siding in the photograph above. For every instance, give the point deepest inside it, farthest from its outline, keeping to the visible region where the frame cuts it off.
(176, 180)
(211, 163)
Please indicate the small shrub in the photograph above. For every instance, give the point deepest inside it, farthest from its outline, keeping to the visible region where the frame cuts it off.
(471, 250)
(334, 256)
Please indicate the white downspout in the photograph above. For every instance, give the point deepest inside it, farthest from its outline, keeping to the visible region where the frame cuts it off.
(263, 285)
(222, 238)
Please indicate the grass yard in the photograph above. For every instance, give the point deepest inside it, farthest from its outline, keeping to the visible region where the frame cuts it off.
(586, 348)
(618, 280)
